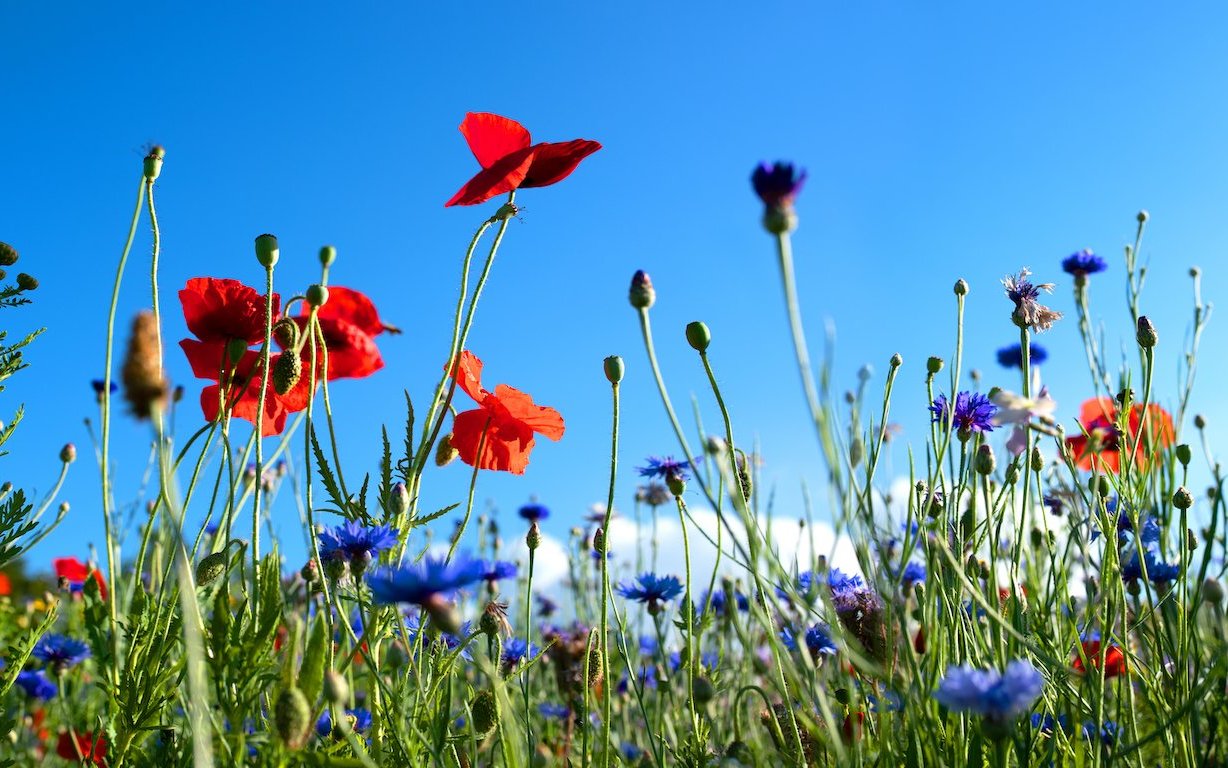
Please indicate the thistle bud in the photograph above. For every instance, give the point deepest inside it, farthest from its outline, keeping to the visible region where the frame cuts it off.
(398, 499)
(153, 162)
(267, 251)
(985, 461)
(642, 295)
(328, 254)
(1147, 336)
(1183, 454)
(698, 336)
(210, 568)
(614, 368)
(934, 365)
(533, 539)
(445, 452)
(317, 295)
(485, 710)
(287, 370)
(961, 287)
(68, 454)
(336, 688)
(8, 255)
(292, 718)
(1182, 498)
(26, 282)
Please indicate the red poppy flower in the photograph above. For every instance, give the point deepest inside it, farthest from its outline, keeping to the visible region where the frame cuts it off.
(506, 417)
(510, 160)
(243, 394)
(350, 324)
(87, 749)
(1102, 445)
(6, 587)
(1114, 659)
(219, 311)
(76, 572)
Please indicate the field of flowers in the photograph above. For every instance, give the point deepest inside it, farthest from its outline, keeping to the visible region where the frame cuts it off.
(1049, 592)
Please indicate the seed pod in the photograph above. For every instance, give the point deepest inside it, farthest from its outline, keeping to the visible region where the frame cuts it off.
(1182, 498)
(267, 252)
(698, 336)
(287, 370)
(934, 365)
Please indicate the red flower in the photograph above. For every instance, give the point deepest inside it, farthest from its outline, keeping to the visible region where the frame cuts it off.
(76, 572)
(87, 749)
(218, 312)
(243, 395)
(1114, 659)
(507, 417)
(350, 324)
(510, 160)
(1103, 445)
(851, 729)
(6, 586)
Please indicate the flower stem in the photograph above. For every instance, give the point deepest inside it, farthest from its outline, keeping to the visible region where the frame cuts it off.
(606, 700)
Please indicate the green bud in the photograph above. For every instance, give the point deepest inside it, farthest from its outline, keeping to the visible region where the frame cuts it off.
(1183, 454)
(328, 254)
(1103, 487)
(533, 539)
(705, 691)
(286, 332)
(842, 696)
(675, 484)
(336, 688)
(8, 255)
(68, 454)
(1038, 459)
(210, 568)
(779, 220)
(1182, 498)
(698, 336)
(896, 360)
(961, 287)
(398, 499)
(267, 251)
(595, 671)
(1147, 336)
(1212, 591)
(26, 282)
(614, 368)
(445, 452)
(317, 295)
(1143, 216)
(985, 461)
(292, 718)
(1200, 421)
(485, 710)
(934, 365)
(153, 162)
(235, 349)
(642, 295)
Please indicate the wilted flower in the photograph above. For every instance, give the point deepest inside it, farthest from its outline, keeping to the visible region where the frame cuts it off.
(1029, 313)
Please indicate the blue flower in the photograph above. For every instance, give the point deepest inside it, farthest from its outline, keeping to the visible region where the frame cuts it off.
(424, 581)
(1029, 313)
(36, 685)
(973, 412)
(516, 650)
(100, 384)
(356, 543)
(545, 606)
(914, 573)
(450, 642)
(651, 589)
(553, 711)
(1012, 356)
(631, 753)
(1047, 724)
(60, 652)
(719, 602)
(667, 467)
(534, 512)
(817, 638)
(648, 645)
(1158, 571)
(1107, 733)
(1083, 263)
(847, 591)
(707, 660)
(361, 721)
(998, 696)
(777, 184)
(497, 570)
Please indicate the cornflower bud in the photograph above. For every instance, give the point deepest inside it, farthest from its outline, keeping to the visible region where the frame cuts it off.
(1147, 336)
(1212, 591)
(642, 294)
(533, 539)
(1038, 459)
(68, 454)
(1142, 216)
(961, 287)
(985, 461)
(267, 252)
(897, 360)
(934, 365)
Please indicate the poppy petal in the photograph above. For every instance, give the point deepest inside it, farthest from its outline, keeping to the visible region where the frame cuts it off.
(219, 309)
(520, 406)
(353, 307)
(468, 373)
(505, 444)
(352, 353)
(492, 137)
(205, 357)
(502, 177)
(553, 162)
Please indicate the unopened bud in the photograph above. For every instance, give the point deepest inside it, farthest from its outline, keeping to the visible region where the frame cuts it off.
(68, 454)
(267, 251)
(1147, 336)
(676, 484)
(1143, 216)
(153, 162)
(595, 672)
(985, 461)
(445, 452)
(698, 336)
(292, 718)
(210, 568)
(287, 370)
(614, 368)
(8, 255)
(934, 365)
(533, 539)
(398, 499)
(26, 282)
(336, 688)
(1182, 498)
(485, 710)
(642, 295)
(1038, 459)
(961, 287)
(328, 254)
(1191, 541)
(1212, 591)
(1183, 454)
(286, 332)
(897, 360)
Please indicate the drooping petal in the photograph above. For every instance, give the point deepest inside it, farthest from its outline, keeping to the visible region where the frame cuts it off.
(520, 406)
(247, 405)
(553, 162)
(207, 358)
(353, 307)
(502, 177)
(468, 373)
(492, 137)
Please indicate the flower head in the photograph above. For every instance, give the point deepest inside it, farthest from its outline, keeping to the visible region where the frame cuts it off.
(517, 650)
(666, 467)
(817, 638)
(777, 184)
(360, 721)
(356, 543)
(914, 573)
(349, 323)
(1083, 263)
(1012, 356)
(503, 425)
(651, 589)
(36, 685)
(82, 747)
(552, 711)
(1114, 658)
(75, 572)
(973, 412)
(59, 652)
(998, 696)
(534, 512)
(1029, 313)
(511, 161)
(497, 570)
(1102, 442)
(424, 581)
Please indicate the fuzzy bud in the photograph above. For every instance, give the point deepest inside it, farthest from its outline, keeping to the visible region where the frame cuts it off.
(698, 336)
(1212, 591)
(1182, 498)
(287, 370)
(267, 252)
(614, 368)
(336, 688)
(328, 254)
(934, 365)
(599, 541)
(1183, 454)
(595, 671)
(445, 452)
(485, 710)
(533, 539)
(317, 295)
(642, 294)
(26, 282)
(292, 718)
(398, 500)
(286, 332)
(68, 454)
(985, 461)
(1147, 336)
(153, 162)
(1143, 216)
(210, 568)
(8, 255)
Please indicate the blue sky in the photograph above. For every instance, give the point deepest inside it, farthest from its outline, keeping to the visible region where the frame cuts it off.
(942, 142)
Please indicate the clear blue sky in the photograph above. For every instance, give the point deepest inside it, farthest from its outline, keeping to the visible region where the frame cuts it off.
(957, 140)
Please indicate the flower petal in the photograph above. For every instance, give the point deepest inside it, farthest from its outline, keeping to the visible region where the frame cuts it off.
(502, 177)
(553, 162)
(505, 447)
(353, 307)
(520, 406)
(492, 137)
(205, 357)
(468, 373)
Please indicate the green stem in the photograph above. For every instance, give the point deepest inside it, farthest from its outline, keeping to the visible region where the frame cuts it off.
(603, 556)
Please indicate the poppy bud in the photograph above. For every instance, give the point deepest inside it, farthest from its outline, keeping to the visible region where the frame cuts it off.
(328, 254)
(285, 331)
(642, 294)
(336, 688)
(1183, 454)
(153, 162)
(614, 368)
(934, 365)
(267, 251)
(210, 568)
(698, 336)
(292, 718)
(445, 452)
(533, 539)
(897, 360)
(317, 295)
(961, 287)
(1103, 487)
(287, 370)
(8, 255)
(1147, 336)
(985, 461)
(485, 712)
(1182, 498)
(68, 454)
(1143, 216)
(26, 282)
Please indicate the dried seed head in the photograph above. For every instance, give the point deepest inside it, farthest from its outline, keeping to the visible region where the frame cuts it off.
(145, 385)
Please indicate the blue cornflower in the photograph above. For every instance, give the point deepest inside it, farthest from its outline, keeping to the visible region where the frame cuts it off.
(356, 543)
(36, 685)
(360, 721)
(534, 512)
(998, 696)
(100, 384)
(817, 638)
(651, 589)
(553, 711)
(450, 642)
(60, 652)
(1107, 733)
(1083, 263)
(516, 650)
(847, 590)
(1158, 571)
(777, 184)
(1047, 724)
(719, 602)
(647, 679)
(648, 645)
(1029, 313)
(707, 660)
(546, 607)
(630, 752)
(973, 413)
(1012, 356)
(497, 570)
(667, 467)
(425, 581)
(914, 573)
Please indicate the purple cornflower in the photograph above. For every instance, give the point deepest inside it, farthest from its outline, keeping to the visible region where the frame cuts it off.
(666, 467)
(36, 685)
(651, 589)
(545, 606)
(653, 494)
(1158, 571)
(844, 587)
(534, 512)
(497, 570)
(424, 582)
(817, 638)
(59, 652)
(1083, 263)
(997, 696)
(1029, 313)
(777, 184)
(974, 412)
(355, 543)
(1012, 356)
